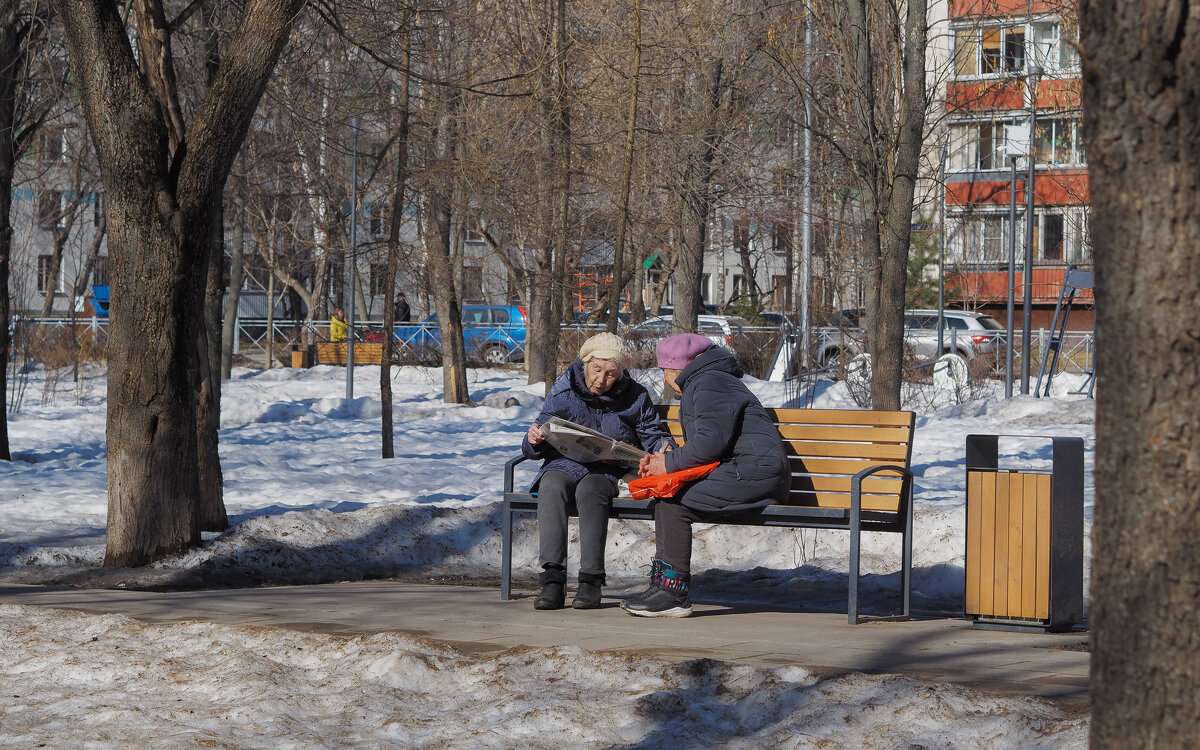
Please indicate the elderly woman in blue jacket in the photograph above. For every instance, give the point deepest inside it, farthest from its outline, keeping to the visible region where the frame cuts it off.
(595, 392)
(722, 421)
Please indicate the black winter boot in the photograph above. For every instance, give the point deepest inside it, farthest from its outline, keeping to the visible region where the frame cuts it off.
(667, 596)
(554, 581)
(588, 594)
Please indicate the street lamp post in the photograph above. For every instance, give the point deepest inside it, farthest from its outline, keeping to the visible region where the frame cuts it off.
(1012, 277)
(942, 248)
(351, 270)
(1032, 80)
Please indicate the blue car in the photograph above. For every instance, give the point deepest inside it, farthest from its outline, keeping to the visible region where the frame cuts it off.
(492, 333)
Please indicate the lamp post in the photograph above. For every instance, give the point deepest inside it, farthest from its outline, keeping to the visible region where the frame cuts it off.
(351, 270)
(942, 247)
(1012, 277)
(1032, 79)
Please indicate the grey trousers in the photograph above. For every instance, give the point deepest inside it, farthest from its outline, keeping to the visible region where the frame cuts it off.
(673, 531)
(591, 497)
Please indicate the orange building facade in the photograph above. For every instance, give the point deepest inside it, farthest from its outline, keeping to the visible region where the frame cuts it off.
(1013, 63)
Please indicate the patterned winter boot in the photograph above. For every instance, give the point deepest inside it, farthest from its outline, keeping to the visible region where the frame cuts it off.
(667, 596)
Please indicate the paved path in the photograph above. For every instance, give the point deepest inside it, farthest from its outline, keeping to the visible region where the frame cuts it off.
(475, 619)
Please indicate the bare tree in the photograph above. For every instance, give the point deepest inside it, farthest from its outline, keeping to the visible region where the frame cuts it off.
(162, 180)
(24, 108)
(1140, 85)
(884, 59)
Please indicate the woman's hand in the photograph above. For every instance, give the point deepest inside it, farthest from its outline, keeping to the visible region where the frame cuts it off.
(535, 434)
(652, 464)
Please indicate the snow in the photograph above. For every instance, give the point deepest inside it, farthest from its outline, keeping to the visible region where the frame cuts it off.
(311, 500)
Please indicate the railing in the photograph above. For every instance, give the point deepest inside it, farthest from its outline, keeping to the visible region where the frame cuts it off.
(755, 347)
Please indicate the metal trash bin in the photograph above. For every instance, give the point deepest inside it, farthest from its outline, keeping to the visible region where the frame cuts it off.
(1024, 556)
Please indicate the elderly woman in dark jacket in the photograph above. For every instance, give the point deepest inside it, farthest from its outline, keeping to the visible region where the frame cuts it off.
(595, 392)
(722, 421)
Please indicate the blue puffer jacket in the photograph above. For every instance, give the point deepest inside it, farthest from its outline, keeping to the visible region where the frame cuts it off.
(723, 421)
(625, 412)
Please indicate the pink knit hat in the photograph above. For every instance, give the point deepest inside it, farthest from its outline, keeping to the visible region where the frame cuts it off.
(675, 352)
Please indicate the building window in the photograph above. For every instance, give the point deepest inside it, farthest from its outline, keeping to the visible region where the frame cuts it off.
(472, 283)
(50, 211)
(44, 273)
(1056, 141)
(1051, 50)
(706, 288)
(378, 225)
(97, 209)
(378, 279)
(100, 270)
(989, 51)
(977, 145)
(981, 238)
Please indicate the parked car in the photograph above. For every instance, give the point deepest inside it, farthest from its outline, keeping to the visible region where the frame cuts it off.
(722, 330)
(968, 334)
(493, 333)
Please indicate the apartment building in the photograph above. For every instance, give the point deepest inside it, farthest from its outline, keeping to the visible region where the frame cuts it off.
(1014, 63)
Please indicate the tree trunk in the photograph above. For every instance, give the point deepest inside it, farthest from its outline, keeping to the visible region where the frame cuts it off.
(160, 203)
(237, 249)
(395, 222)
(1140, 91)
(440, 248)
(886, 155)
(697, 203)
(210, 502)
(10, 65)
(618, 283)
(546, 310)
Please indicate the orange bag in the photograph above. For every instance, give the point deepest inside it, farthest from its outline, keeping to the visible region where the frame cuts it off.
(666, 485)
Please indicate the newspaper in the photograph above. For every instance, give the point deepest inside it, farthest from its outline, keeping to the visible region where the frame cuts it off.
(584, 445)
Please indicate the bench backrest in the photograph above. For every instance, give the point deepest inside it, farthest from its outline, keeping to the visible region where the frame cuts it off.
(827, 447)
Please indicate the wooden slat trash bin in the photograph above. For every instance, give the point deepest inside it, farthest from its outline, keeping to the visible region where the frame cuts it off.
(1024, 555)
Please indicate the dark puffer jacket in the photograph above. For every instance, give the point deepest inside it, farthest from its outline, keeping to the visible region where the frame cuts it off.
(723, 421)
(625, 412)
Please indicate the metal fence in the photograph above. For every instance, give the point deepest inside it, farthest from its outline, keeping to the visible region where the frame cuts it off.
(756, 347)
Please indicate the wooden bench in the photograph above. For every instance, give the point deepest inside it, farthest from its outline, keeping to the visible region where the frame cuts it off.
(334, 353)
(850, 470)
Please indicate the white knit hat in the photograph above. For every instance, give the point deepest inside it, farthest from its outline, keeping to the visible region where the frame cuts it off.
(606, 346)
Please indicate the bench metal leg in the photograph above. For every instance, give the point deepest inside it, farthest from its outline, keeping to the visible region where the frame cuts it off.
(506, 529)
(855, 541)
(906, 563)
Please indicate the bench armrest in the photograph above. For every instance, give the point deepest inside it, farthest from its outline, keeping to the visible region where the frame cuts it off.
(508, 472)
(856, 481)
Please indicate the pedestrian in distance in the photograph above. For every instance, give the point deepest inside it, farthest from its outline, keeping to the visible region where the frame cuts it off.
(721, 421)
(595, 392)
(401, 313)
(339, 328)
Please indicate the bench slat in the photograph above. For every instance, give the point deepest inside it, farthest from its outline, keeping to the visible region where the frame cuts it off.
(842, 500)
(799, 449)
(875, 485)
(842, 417)
(840, 467)
(893, 435)
(837, 417)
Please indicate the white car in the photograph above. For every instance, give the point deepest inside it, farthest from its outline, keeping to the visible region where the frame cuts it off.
(968, 334)
(720, 329)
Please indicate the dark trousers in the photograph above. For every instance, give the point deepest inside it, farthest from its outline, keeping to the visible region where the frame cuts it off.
(673, 531)
(591, 497)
